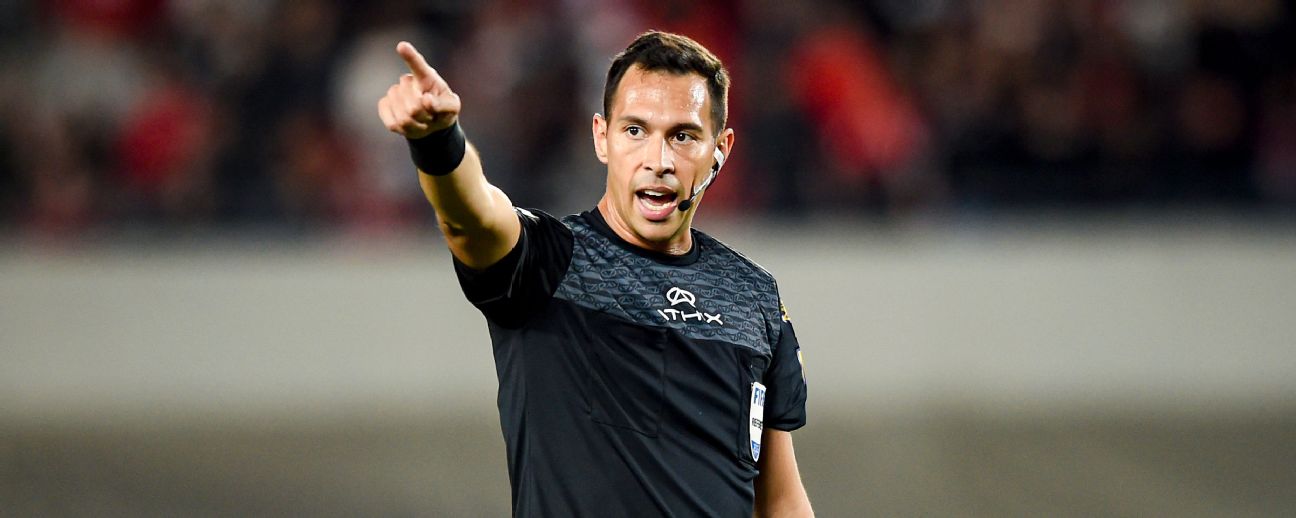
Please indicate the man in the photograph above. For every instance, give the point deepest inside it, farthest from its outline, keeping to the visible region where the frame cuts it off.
(645, 369)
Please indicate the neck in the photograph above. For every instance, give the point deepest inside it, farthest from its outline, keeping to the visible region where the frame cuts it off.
(678, 244)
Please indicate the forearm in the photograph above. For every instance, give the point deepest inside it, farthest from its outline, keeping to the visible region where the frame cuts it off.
(464, 201)
(476, 217)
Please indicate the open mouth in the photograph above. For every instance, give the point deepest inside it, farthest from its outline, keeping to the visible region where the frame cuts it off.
(656, 203)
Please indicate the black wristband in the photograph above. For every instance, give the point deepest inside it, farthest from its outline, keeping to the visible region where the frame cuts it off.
(439, 153)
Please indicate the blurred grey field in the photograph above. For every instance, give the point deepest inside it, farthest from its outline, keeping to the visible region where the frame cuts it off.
(1014, 369)
(941, 464)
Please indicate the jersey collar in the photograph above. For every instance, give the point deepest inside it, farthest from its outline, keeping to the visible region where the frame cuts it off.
(595, 220)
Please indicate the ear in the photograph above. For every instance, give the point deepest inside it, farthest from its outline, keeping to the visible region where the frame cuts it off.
(599, 129)
(724, 145)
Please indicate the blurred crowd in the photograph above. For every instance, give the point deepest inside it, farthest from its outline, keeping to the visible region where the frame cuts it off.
(246, 112)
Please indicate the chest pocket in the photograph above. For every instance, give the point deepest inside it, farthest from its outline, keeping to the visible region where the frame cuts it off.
(626, 381)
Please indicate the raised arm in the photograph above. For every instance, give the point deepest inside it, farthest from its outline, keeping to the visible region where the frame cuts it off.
(476, 217)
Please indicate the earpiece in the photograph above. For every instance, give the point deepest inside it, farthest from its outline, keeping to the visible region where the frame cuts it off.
(715, 170)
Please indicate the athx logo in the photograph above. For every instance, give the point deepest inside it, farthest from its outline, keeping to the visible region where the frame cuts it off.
(678, 297)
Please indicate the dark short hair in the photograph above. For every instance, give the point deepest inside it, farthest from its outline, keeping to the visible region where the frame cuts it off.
(663, 51)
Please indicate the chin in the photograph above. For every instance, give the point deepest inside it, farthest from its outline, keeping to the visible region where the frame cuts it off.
(658, 231)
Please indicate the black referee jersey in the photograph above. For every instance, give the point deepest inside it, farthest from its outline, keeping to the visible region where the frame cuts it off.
(634, 383)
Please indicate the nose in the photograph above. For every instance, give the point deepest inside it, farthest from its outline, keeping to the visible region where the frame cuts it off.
(659, 157)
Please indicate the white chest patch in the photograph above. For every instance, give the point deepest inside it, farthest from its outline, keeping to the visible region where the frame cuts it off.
(756, 423)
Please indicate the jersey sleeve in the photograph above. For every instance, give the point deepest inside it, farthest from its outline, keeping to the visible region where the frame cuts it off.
(786, 383)
(515, 287)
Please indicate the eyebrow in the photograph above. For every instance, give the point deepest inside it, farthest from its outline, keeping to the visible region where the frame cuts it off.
(631, 119)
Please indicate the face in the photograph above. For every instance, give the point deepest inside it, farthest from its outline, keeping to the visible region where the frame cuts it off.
(658, 143)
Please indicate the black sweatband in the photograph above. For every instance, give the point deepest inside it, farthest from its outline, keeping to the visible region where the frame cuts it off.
(439, 153)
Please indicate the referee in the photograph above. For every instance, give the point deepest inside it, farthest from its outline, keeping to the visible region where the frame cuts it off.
(645, 368)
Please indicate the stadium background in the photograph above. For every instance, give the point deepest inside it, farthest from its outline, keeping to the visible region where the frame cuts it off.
(1041, 253)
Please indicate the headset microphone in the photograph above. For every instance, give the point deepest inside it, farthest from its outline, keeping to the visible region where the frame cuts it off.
(715, 170)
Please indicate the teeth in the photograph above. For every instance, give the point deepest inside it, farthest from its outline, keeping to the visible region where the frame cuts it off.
(656, 200)
(653, 204)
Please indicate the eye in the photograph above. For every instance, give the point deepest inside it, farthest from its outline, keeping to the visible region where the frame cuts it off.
(683, 137)
(634, 131)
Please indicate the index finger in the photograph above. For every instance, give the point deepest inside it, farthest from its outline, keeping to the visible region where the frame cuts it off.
(415, 61)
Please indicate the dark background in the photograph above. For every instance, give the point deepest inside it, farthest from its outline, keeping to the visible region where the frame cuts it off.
(202, 114)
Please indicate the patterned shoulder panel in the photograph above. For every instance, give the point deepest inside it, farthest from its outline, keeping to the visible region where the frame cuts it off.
(723, 296)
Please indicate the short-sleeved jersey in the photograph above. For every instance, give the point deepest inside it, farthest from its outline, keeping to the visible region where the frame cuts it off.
(634, 383)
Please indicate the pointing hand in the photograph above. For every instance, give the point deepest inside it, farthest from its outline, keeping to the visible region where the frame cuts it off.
(421, 102)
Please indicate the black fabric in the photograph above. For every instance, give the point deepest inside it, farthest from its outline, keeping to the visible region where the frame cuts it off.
(787, 386)
(625, 376)
(594, 219)
(440, 152)
(516, 286)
